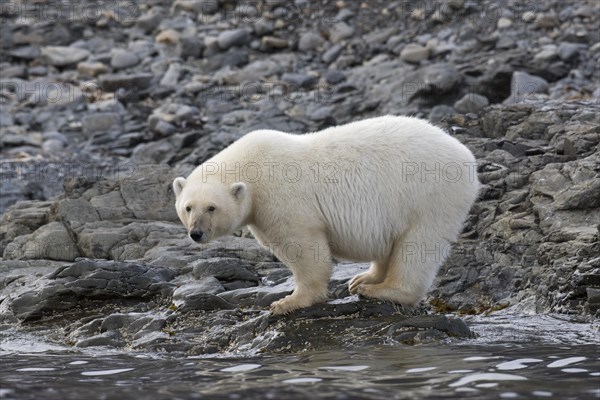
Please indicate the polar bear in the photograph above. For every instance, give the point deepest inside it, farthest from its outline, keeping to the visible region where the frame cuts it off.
(393, 191)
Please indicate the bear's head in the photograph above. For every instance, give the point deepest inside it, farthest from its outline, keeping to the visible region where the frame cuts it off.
(211, 209)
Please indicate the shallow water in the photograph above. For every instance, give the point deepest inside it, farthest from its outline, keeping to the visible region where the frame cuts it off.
(520, 362)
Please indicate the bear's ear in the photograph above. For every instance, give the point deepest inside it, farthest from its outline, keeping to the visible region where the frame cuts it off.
(178, 185)
(238, 189)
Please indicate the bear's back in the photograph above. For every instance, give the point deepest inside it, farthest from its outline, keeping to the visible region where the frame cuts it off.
(386, 172)
(367, 179)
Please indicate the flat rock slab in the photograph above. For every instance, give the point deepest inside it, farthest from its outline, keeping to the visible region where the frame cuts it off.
(361, 322)
(214, 326)
(106, 281)
(61, 56)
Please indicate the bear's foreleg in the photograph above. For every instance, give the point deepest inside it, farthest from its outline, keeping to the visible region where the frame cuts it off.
(311, 266)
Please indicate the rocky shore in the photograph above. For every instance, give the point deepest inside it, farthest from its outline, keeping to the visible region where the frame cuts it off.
(104, 103)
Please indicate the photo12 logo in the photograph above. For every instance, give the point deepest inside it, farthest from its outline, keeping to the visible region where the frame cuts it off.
(55, 172)
(271, 171)
(44, 92)
(121, 11)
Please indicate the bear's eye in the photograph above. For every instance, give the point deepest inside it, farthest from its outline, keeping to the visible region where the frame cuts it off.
(211, 208)
(188, 209)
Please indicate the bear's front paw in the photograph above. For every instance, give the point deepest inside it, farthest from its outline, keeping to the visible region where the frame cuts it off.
(284, 306)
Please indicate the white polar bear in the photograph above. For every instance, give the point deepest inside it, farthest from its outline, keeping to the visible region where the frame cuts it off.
(394, 191)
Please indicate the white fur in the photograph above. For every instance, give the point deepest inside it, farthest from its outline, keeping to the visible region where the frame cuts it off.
(385, 190)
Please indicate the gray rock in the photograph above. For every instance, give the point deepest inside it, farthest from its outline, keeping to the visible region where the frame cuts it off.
(414, 53)
(157, 152)
(113, 82)
(334, 77)
(61, 56)
(38, 70)
(141, 325)
(310, 41)
(454, 327)
(117, 321)
(164, 128)
(16, 71)
(581, 196)
(272, 43)
(123, 59)
(494, 83)
(225, 269)
(6, 119)
(322, 114)
(233, 58)
(546, 54)
(119, 330)
(299, 80)
(149, 21)
(150, 340)
(568, 51)
(263, 27)
(11, 139)
(456, 4)
(147, 192)
(171, 77)
(91, 68)
(344, 14)
(524, 85)
(184, 114)
(431, 82)
(207, 7)
(190, 46)
(505, 42)
(208, 285)
(471, 103)
(26, 52)
(593, 295)
(440, 111)
(195, 6)
(547, 21)
(340, 31)
(51, 241)
(123, 191)
(101, 123)
(53, 145)
(211, 46)
(204, 302)
(131, 279)
(331, 54)
(376, 316)
(251, 73)
(89, 279)
(231, 38)
(380, 36)
(129, 242)
(111, 338)
(504, 23)
(22, 219)
(440, 76)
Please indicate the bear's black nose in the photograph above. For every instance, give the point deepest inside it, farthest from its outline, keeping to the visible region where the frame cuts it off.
(196, 235)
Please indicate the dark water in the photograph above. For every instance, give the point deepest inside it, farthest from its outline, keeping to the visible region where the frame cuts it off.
(525, 358)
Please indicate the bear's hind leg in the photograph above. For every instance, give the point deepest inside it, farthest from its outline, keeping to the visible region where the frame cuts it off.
(411, 269)
(375, 274)
(311, 269)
